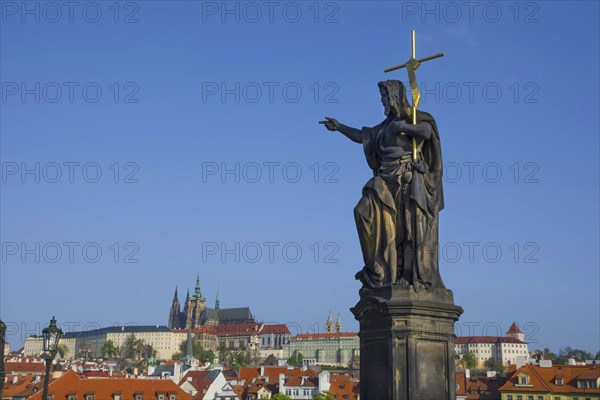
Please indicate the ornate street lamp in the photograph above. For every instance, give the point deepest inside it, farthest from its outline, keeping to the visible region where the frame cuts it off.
(2, 341)
(51, 336)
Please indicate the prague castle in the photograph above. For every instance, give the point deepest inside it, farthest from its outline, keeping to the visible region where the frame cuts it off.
(196, 314)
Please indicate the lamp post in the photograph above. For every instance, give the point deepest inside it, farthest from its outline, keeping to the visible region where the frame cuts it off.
(2, 341)
(51, 336)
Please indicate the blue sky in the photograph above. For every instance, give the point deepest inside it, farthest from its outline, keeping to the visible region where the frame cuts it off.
(169, 139)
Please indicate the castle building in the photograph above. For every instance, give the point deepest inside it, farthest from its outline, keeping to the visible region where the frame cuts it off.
(506, 349)
(333, 347)
(196, 314)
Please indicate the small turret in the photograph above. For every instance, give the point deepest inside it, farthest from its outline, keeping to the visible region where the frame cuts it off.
(329, 327)
(338, 324)
(217, 302)
(197, 294)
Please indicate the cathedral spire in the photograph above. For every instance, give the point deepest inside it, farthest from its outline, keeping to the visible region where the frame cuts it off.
(174, 313)
(329, 328)
(197, 293)
(217, 302)
(338, 324)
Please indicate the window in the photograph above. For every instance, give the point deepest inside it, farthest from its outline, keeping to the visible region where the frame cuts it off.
(71, 397)
(89, 397)
(509, 397)
(139, 396)
(172, 397)
(519, 397)
(522, 380)
(529, 397)
(161, 397)
(540, 398)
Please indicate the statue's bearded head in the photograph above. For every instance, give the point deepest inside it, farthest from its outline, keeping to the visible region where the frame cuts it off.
(393, 98)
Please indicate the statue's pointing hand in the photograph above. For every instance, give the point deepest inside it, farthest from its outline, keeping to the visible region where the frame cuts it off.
(331, 124)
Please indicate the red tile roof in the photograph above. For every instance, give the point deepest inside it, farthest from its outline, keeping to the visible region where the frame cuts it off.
(248, 374)
(22, 367)
(22, 385)
(275, 328)
(197, 379)
(238, 329)
(343, 388)
(483, 388)
(514, 328)
(543, 379)
(72, 383)
(303, 381)
(486, 339)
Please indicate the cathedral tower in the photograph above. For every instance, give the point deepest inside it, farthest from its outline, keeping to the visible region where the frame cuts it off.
(329, 327)
(175, 313)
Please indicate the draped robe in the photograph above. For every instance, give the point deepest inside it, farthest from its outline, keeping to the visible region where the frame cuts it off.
(397, 216)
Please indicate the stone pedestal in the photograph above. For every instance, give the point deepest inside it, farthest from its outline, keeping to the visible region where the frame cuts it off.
(406, 344)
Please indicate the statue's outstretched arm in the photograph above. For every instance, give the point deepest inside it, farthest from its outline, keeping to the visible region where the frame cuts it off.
(353, 134)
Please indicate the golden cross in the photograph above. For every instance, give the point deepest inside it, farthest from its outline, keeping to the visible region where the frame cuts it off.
(411, 66)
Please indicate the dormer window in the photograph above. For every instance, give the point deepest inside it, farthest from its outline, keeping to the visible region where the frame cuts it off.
(138, 396)
(559, 381)
(523, 380)
(116, 396)
(71, 397)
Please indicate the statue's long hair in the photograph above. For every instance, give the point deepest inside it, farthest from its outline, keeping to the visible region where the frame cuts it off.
(396, 92)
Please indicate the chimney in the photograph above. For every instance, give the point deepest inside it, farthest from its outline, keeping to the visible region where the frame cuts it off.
(467, 373)
(262, 370)
(15, 379)
(281, 382)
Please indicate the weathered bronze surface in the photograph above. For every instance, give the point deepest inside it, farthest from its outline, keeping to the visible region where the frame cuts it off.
(397, 216)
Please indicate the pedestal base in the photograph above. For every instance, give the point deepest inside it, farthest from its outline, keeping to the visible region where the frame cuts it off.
(407, 344)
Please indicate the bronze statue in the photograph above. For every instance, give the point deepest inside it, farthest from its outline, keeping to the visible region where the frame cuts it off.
(397, 216)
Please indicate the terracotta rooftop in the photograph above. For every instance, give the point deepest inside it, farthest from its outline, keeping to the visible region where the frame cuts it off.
(486, 339)
(543, 379)
(345, 389)
(248, 374)
(514, 328)
(72, 383)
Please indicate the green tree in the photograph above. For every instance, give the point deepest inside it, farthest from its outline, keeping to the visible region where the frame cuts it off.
(62, 350)
(495, 365)
(197, 350)
(292, 360)
(224, 354)
(108, 349)
(326, 395)
(209, 355)
(176, 356)
(300, 358)
(240, 359)
(137, 349)
(280, 396)
(470, 360)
